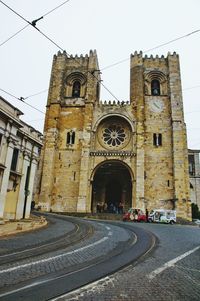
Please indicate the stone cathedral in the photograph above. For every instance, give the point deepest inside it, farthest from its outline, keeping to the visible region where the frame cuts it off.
(132, 152)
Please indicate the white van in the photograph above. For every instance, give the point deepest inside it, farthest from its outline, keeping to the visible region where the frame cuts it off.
(162, 216)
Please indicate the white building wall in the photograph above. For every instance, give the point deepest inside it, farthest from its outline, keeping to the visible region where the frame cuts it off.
(16, 134)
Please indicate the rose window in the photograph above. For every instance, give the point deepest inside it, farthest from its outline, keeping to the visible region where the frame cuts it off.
(114, 135)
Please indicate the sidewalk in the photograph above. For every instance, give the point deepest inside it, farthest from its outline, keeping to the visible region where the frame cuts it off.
(15, 227)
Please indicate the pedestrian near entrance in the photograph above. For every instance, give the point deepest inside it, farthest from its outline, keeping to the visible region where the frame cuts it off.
(120, 208)
(147, 215)
(33, 205)
(98, 207)
(105, 207)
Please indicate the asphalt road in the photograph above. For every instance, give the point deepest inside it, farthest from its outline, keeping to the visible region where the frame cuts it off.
(42, 276)
(170, 272)
(160, 262)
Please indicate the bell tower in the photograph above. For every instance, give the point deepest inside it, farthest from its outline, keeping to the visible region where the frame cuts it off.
(73, 92)
(162, 179)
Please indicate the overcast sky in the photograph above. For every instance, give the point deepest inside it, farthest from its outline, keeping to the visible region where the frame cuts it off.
(115, 28)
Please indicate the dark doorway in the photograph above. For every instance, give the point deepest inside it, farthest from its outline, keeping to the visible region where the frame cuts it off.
(112, 184)
(113, 194)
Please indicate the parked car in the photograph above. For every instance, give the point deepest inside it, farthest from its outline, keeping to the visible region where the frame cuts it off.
(196, 221)
(135, 215)
(162, 216)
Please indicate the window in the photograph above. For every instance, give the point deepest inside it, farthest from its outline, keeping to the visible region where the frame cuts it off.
(70, 138)
(157, 139)
(14, 159)
(191, 165)
(0, 139)
(114, 135)
(155, 87)
(76, 89)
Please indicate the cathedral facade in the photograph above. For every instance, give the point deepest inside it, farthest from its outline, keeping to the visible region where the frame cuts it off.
(105, 153)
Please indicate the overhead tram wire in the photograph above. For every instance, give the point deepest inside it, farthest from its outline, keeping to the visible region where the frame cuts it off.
(49, 12)
(8, 39)
(156, 47)
(43, 91)
(22, 100)
(33, 24)
(190, 88)
(32, 21)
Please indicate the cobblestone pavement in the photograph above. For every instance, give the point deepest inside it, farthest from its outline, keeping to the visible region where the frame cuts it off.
(105, 240)
(178, 281)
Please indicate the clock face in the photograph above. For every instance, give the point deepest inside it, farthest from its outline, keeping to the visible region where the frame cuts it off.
(156, 105)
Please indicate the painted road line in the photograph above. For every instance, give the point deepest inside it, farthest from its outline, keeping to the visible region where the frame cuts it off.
(53, 257)
(98, 286)
(170, 263)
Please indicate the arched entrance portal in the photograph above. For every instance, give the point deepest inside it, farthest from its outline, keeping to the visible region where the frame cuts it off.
(112, 184)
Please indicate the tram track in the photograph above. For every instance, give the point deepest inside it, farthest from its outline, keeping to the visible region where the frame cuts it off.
(80, 232)
(77, 273)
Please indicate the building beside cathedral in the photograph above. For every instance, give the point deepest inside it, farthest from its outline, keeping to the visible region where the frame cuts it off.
(194, 173)
(20, 146)
(132, 152)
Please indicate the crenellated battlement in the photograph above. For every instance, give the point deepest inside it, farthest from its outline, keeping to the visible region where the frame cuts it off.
(159, 62)
(114, 103)
(139, 55)
(64, 54)
(154, 58)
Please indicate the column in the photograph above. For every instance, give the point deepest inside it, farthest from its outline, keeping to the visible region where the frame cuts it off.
(6, 174)
(83, 186)
(30, 187)
(140, 178)
(21, 197)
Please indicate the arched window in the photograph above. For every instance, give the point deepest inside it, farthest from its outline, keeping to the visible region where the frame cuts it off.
(76, 89)
(155, 87)
(70, 137)
(157, 139)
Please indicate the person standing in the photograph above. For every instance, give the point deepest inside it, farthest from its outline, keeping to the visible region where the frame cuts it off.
(147, 215)
(120, 208)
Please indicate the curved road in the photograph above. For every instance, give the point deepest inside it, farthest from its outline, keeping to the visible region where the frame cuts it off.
(171, 272)
(68, 254)
(50, 265)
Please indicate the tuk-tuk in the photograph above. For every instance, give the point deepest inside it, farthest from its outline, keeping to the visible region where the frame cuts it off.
(162, 216)
(135, 215)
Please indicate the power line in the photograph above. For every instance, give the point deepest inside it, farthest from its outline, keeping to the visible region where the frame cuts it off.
(8, 39)
(34, 120)
(43, 91)
(22, 100)
(192, 112)
(33, 22)
(156, 47)
(194, 87)
(49, 12)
